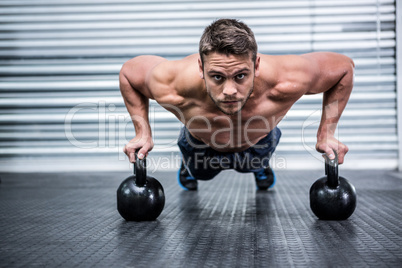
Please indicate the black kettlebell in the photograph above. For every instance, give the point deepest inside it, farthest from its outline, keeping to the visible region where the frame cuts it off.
(140, 197)
(332, 197)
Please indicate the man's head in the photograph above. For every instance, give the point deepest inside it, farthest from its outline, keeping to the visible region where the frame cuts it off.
(229, 37)
(228, 63)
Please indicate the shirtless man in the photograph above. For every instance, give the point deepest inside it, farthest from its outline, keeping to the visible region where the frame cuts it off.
(230, 99)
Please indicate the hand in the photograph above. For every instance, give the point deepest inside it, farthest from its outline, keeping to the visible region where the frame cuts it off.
(328, 145)
(141, 144)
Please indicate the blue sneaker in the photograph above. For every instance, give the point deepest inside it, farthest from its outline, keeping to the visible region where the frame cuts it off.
(265, 179)
(186, 182)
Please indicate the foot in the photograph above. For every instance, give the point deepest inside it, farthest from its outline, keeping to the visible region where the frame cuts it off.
(186, 182)
(265, 179)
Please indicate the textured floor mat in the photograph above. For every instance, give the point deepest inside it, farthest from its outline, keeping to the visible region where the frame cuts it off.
(70, 220)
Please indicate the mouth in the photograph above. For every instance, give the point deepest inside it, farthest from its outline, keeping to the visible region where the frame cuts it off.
(230, 102)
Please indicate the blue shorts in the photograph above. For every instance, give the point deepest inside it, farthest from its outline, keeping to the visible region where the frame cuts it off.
(204, 163)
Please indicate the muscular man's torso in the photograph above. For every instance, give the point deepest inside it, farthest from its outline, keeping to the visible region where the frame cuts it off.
(232, 132)
(185, 96)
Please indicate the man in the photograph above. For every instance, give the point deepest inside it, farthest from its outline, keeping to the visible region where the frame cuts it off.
(230, 99)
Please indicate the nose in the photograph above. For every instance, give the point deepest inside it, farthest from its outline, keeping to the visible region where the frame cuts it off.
(229, 89)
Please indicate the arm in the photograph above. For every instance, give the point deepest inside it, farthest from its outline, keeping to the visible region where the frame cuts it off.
(136, 94)
(333, 75)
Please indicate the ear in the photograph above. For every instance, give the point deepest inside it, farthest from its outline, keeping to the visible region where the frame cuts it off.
(257, 66)
(200, 69)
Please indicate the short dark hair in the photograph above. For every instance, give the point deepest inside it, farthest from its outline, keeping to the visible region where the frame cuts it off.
(229, 37)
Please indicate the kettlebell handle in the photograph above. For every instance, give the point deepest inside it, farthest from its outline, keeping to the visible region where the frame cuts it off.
(140, 170)
(331, 170)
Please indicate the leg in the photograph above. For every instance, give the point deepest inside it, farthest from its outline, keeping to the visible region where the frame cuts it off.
(266, 178)
(185, 180)
(257, 159)
(193, 166)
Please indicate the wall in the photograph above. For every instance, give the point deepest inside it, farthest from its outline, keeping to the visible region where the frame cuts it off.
(60, 106)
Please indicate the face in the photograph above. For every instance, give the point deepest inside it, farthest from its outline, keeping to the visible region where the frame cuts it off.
(229, 79)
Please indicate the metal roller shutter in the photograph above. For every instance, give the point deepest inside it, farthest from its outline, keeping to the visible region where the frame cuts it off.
(60, 106)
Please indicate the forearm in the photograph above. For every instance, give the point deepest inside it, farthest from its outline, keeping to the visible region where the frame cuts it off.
(334, 103)
(137, 105)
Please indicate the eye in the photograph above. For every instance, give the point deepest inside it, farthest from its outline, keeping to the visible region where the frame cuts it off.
(217, 77)
(240, 76)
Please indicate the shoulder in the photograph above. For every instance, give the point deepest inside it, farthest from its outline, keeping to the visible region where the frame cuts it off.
(326, 69)
(137, 70)
(180, 76)
(297, 75)
(286, 76)
(176, 70)
(310, 64)
(174, 82)
(327, 58)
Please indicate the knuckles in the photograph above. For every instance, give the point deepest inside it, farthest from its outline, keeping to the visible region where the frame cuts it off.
(134, 145)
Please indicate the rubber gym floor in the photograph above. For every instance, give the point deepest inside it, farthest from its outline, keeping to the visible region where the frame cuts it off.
(71, 220)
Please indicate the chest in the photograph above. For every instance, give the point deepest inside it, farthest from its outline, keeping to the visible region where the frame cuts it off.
(241, 130)
(253, 115)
